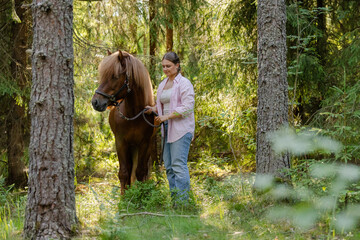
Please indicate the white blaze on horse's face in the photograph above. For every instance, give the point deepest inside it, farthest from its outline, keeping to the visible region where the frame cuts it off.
(169, 68)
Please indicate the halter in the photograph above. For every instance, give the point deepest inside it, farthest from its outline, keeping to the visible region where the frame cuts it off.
(113, 102)
(112, 98)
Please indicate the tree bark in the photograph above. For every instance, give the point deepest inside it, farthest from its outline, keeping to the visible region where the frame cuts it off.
(50, 210)
(272, 112)
(169, 27)
(18, 123)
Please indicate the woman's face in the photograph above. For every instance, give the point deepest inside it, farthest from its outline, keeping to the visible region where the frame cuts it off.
(169, 68)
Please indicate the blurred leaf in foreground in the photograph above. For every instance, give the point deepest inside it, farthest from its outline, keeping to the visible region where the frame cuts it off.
(287, 140)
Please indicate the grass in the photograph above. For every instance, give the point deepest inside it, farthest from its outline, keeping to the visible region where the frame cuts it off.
(12, 218)
(224, 206)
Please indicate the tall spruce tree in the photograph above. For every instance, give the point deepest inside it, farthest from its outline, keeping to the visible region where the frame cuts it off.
(272, 112)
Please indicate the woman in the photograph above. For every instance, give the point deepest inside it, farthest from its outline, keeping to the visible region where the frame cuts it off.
(175, 106)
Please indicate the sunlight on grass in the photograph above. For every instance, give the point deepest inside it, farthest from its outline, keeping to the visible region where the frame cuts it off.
(223, 206)
(226, 208)
(94, 204)
(12, 219)
(224, 211)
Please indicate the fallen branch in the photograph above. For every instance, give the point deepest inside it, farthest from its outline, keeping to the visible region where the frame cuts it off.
(154, 214)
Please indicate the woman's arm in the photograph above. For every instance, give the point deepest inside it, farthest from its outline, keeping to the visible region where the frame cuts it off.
(187, 96)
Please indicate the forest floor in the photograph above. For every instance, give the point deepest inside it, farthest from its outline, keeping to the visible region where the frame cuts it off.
(219, 209)
(223, 206)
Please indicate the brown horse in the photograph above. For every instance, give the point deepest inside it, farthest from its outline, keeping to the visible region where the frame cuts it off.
(125, 86)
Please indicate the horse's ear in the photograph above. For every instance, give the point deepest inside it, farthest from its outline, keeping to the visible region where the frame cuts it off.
(109, 53)
(121, 56)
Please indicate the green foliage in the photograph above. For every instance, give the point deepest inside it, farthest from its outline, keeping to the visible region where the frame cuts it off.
(11, 220)
(167, 227)
(306, 73)
(320, 194)
(225, 83)
(4, 191)
(12, 208)
(240, 20)
(306, 141)
(340, 119)
(228, 208)
(144, 195)
(327, 194)
(216, 41)
(226, 65)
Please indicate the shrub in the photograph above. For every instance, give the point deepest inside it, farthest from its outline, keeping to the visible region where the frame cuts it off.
(144, 195)
(4, 191)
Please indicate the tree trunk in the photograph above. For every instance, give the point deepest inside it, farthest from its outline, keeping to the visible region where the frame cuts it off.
(272, 110)
(322, 40)
(153, 31)
(50, 210)
(18, 123)
(133, 27)
(153, 39)
(169, 27)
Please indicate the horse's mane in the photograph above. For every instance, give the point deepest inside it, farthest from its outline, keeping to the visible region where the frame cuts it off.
(110, 67)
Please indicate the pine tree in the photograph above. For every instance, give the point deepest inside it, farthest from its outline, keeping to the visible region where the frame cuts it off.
(50, 210)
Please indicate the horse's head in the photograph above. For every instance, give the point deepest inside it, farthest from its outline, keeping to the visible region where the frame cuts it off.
(114, 81)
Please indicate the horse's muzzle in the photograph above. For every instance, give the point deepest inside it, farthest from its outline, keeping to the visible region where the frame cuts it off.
(99, 105)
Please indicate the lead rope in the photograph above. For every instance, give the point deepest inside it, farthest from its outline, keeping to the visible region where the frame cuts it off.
(147, 121)
(129, 119)
(142, 112)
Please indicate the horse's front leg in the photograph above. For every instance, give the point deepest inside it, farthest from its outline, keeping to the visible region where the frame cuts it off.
(125, 164)
(144, 166)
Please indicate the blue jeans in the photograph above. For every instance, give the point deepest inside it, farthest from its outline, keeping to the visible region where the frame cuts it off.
(175, 157)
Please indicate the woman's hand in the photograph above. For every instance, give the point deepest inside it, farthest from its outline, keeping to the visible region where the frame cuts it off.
(161, 119)
(164, 118)
(150, 109)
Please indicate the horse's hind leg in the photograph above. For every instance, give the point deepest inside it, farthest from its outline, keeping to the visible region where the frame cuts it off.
(135, 161)
(125, 163)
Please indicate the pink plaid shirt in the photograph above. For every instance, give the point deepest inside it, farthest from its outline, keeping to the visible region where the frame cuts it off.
(182, 101)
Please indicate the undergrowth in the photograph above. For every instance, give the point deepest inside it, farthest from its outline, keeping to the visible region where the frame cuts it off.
(12, 208)
(222, 206)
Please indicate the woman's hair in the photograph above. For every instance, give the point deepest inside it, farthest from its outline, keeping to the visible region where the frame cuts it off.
(172, 57)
